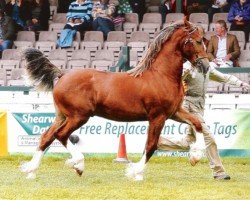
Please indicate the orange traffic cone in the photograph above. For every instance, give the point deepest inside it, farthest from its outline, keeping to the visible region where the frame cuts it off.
(122, 153)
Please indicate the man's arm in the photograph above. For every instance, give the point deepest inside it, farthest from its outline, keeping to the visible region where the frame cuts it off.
(217, 76)
(236, 48)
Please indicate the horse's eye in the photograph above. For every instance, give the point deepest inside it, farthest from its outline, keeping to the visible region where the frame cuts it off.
(199, 42)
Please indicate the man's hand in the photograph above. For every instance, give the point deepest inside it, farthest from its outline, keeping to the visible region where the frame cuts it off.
(78, 21)
(228, 57)
(244, 85)
(71, 20)
(34, 21)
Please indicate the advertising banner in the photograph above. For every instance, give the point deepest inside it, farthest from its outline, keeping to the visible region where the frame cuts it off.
(231, 129)
(3, 134)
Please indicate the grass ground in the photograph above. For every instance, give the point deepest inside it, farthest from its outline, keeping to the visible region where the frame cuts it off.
(165, 178)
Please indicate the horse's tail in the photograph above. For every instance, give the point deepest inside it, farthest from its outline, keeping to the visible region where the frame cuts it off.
(41, 72)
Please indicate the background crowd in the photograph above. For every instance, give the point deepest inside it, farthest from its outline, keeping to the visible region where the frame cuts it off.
(107, 15)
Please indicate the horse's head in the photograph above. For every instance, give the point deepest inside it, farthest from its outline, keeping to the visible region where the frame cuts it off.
(193, 47)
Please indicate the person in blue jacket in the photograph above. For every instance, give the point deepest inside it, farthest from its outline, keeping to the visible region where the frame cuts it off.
(239, 16)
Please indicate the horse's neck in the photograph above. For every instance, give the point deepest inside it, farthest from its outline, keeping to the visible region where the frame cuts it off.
(169, 62)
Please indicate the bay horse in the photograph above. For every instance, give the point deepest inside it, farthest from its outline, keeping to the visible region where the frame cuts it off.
(152, 91)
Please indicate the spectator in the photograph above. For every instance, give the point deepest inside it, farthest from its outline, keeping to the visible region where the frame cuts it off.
(119, 15)
(7, 31)
(40, 13)
(223, 48)
(79, 19)
(197, 6)
(165, 8)
(79, 15)
(102, 13)
(139, 7)
(19, 11)
(239, 16)
(217, 7)
(124, 7)
(2, 4)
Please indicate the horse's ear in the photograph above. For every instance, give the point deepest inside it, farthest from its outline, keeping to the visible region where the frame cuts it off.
(186, 22)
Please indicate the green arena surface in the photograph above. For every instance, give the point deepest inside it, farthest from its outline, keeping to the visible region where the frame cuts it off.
(165, 178)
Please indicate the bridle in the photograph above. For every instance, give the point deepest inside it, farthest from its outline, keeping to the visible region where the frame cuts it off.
(190, 40)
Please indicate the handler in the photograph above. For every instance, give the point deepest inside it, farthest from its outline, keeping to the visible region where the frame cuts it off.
(194, 101)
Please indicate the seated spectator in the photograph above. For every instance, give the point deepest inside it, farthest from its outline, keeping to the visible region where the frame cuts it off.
(217, 7)
(79, 19)
(40, 13)
(19, 11)
(223, 48)
(124, 7)
(239, 16)
(7, 31)
(165, 8)
(102, 14)
(79, 15)
(197, 6)
(139, 7)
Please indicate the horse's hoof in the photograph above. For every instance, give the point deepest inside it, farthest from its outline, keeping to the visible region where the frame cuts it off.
(133, 172)
(31, 175)
(79, 168)
(78, 172)
(27, 167)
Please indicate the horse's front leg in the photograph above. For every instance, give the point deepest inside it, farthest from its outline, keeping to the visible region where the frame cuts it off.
(135, 170)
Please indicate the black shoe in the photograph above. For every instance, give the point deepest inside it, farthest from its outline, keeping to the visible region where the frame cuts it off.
(222, 177)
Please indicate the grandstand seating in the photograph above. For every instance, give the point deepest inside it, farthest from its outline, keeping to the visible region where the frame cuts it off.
(131, 24)
(104, 59)
(244, 60)
(59, 58)
(93, 41)
(115, 40)
(200, 19)
(172, 17)
(82, 54)
(59, 18)
(151, 23)
(219, 16)
(139, 42)
(241, 38)
(153, 6)
(2, 77)
(25, 39)
(46, 41)
(53, 11)
(80, 59)
(16, 78)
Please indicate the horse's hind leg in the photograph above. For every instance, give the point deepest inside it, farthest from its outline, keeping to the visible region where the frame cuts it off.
(135, 170)
(71, 124)
(46, 139)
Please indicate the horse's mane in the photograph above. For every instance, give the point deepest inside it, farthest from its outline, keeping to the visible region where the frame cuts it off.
(155, 48)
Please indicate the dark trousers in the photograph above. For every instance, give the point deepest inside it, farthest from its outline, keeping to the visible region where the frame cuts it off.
(245, 28)
(164, 11)
(103, 24)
